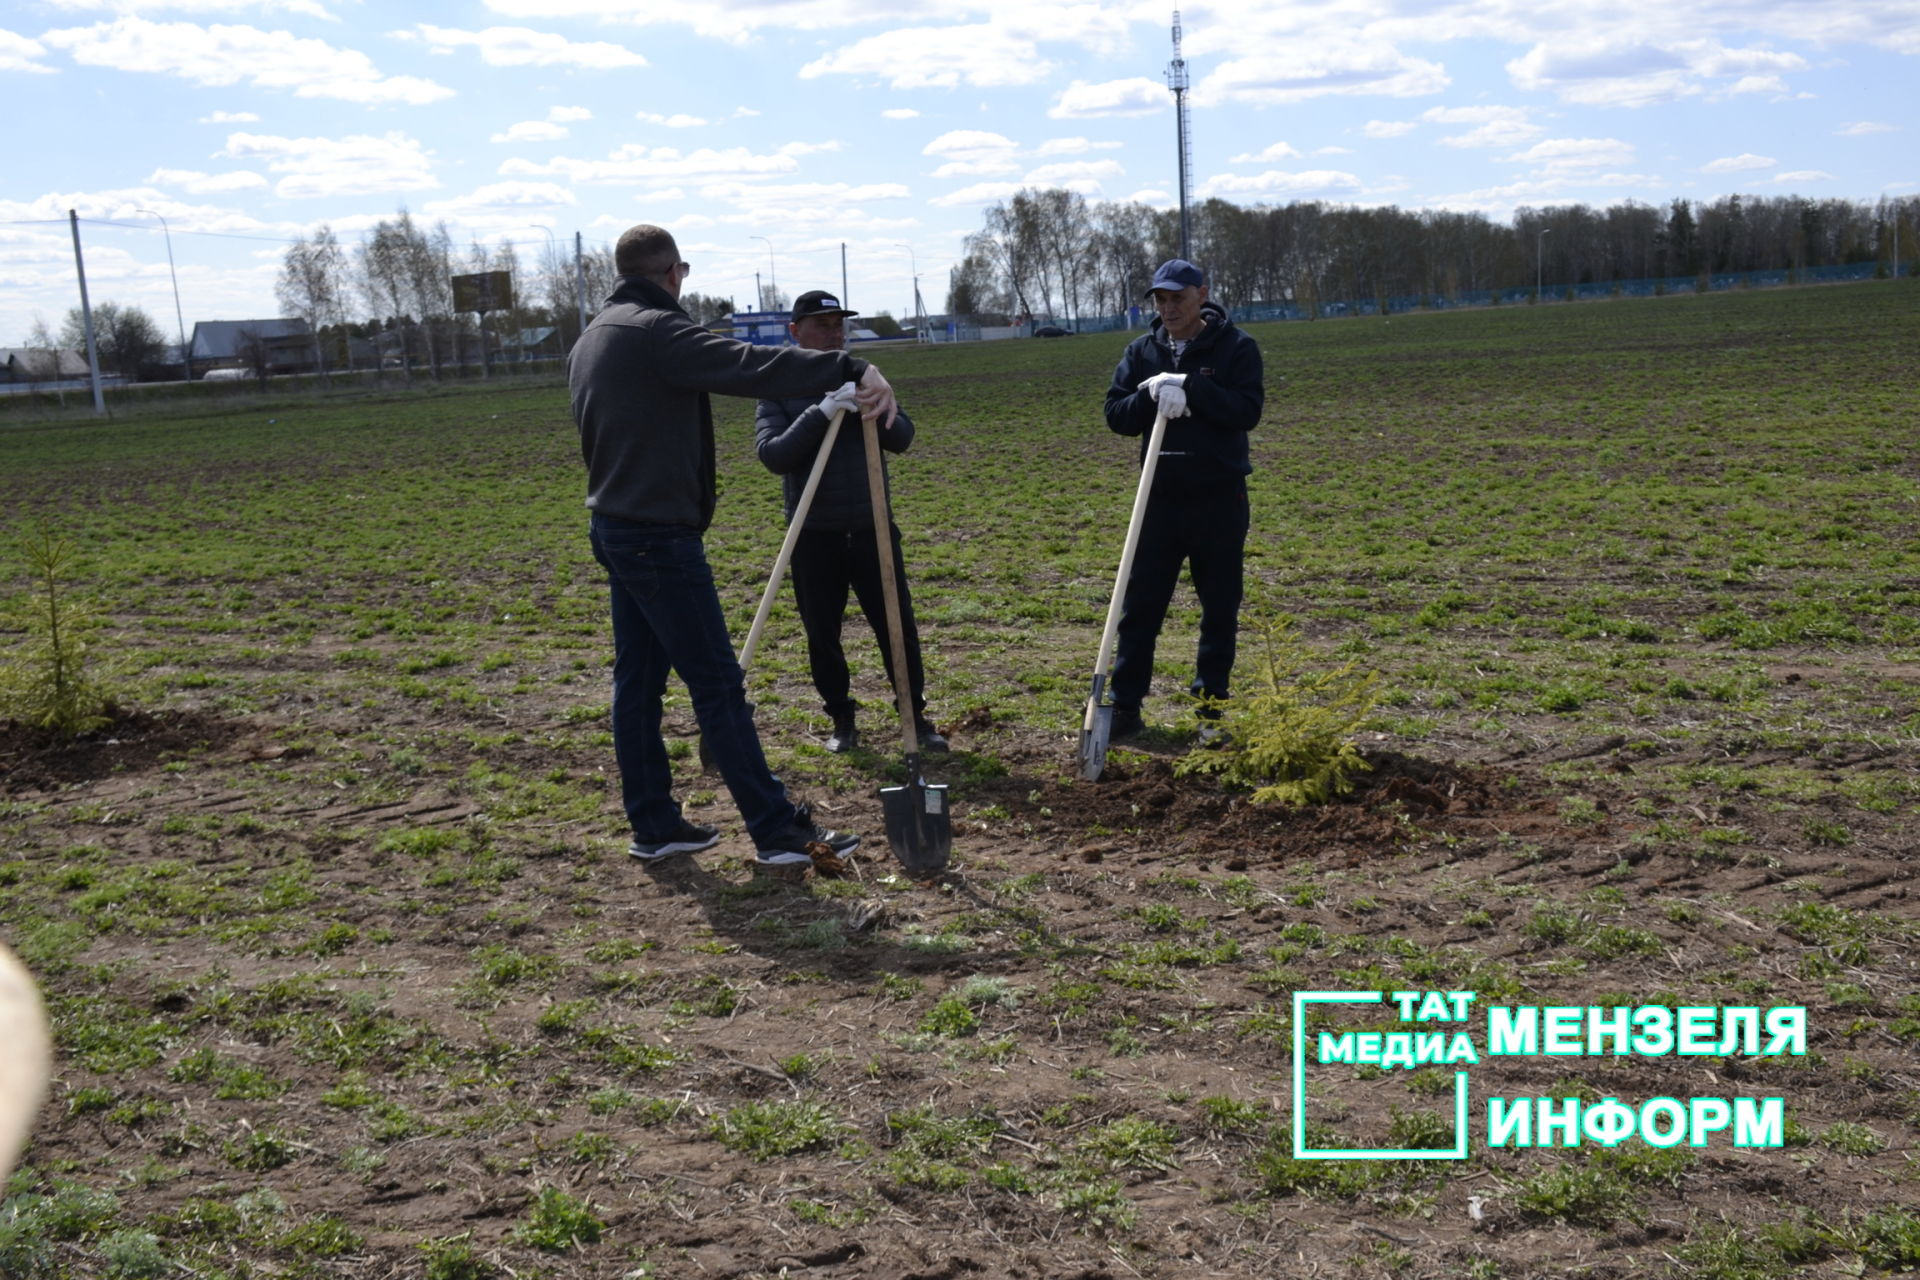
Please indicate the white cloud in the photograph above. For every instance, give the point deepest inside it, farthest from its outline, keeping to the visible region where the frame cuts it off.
(1646, 73)
(978, 167)
(306, 8)
(224, 55)
(196, 183)
(1338, 64)
(1805, 175)
(1494, 126)
(843, 207)
(523, 46)
(985, 56)
(1136, 96)
(978, 193)
(1739, 164)
(967, 142)
(552, 129)
(531, 131)
(1069, 172)
(1576, 153)
(1861, 128)
(231, 117)
(638, 163)
(1073, 147)
(1333, 151)
(1276, 151)
(1276, 182)
(1387, 128)
(352, 166)
(513, 197)
(900, 113)
(17, 53)
(679, 120)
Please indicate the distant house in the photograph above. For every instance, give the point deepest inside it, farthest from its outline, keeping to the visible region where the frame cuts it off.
(40, 364)
(535, 344)
(287, 345)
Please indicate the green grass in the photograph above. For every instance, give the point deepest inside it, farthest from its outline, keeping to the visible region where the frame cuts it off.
(382, 932)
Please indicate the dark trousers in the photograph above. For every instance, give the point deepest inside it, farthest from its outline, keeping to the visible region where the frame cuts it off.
(1196, 515)
(827, 563)
(666, 616)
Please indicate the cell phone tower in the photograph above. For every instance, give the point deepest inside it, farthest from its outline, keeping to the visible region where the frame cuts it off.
(1177, 81)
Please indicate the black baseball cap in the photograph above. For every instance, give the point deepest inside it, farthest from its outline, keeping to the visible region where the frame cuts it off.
(818, 302)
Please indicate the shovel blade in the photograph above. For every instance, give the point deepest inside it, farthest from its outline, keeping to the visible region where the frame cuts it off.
(1095, 730)
(919, 828)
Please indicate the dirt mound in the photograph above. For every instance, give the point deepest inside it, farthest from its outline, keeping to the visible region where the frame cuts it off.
(1143, 805)
(135, 741)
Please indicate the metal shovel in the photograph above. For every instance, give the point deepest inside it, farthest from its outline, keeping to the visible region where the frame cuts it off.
(1097, 726)
(919, 827)
(794, 526)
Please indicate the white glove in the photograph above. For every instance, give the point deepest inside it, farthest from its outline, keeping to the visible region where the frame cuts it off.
(1169, 391)
(841, 398)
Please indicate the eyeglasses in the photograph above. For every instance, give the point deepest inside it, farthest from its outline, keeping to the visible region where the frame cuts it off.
(686, 269)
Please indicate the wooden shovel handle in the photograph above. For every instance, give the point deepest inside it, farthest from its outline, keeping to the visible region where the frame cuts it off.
(1139, 517)
(793, 536)
(883, 543)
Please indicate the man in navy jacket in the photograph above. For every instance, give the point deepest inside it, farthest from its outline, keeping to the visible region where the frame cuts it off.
(1207, 376)
(640, 378)
(836, 551)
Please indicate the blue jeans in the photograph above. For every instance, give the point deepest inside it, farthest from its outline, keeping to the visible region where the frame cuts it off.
(666, 615)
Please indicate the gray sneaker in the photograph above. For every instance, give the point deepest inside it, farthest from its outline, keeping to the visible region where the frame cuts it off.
(790, 847)
(690, 838)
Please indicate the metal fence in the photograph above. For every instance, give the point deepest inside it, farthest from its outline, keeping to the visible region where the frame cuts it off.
(1255, 312)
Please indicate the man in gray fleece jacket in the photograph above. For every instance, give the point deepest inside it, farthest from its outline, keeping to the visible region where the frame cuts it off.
(640, 378)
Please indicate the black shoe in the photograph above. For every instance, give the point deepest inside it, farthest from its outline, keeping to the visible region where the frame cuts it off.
(931, 739)
(846, 736)
(690, 838)
(789, 848)
(1126, 724)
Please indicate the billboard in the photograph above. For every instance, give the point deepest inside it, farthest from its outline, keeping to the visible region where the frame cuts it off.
(483, 291)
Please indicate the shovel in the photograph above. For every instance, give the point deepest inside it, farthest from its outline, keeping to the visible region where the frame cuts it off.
(1097, 726)
(919, 828)
(780, 561)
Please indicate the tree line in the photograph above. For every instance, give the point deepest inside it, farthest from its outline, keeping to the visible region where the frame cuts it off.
(1055, 254)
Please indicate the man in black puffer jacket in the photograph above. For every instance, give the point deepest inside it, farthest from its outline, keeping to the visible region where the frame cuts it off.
(1207, 376)
(837, 550)
(640, 377)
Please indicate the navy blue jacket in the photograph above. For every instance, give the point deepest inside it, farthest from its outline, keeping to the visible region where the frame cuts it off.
(787, 436)
(1226, 391)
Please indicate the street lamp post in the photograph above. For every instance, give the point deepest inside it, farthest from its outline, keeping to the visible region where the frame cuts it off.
(1539, 257)
(179, 317)
(773, 283)
(553, 261)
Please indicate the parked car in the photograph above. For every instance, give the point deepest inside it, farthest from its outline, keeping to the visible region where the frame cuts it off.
(1051, 331)
(226, 375)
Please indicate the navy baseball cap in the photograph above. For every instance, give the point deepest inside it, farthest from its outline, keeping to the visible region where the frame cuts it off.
(818, 302)
(1177, 273)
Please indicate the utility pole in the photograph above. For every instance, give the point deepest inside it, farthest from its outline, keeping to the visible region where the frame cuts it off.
(86, 314)
(843, 273)
(1177, 81)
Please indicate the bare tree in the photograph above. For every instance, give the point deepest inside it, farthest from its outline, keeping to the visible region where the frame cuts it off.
(309, 285)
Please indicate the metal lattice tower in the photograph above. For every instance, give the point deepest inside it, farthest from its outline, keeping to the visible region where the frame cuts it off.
(1177, 81)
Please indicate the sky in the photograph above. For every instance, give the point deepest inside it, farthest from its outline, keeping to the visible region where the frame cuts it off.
(765, 134)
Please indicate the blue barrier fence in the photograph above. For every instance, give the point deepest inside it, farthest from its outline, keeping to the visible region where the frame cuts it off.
(1648, 288)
